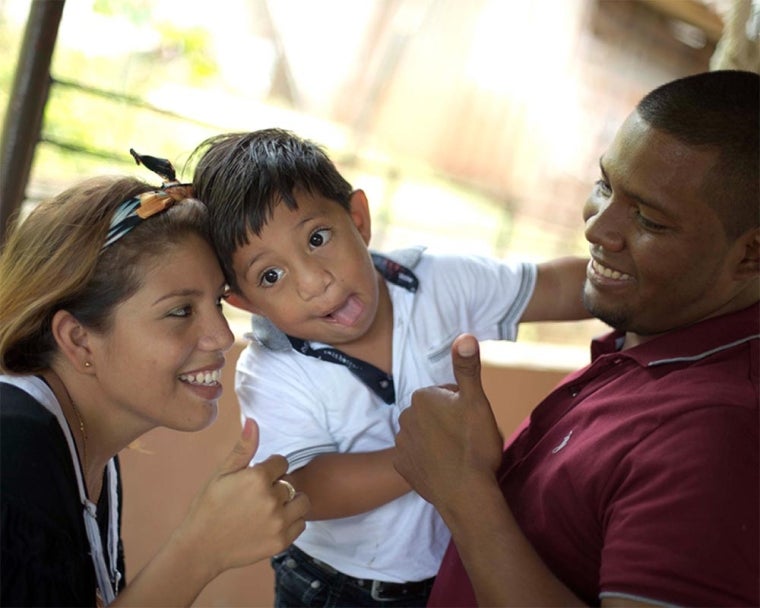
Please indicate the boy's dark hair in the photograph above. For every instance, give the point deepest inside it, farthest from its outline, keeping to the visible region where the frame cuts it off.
(242, 177)
(717, 109)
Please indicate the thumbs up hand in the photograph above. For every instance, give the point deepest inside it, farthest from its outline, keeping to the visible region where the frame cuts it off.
(244, 514)
(449, 434)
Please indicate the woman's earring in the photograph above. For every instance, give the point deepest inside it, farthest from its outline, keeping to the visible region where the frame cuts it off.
(87, 364)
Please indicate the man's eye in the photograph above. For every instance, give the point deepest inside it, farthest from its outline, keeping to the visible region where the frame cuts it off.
(270, 277)
(649, 224)
(320, 237)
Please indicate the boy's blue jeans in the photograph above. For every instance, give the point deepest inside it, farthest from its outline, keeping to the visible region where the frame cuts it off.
(301, 580)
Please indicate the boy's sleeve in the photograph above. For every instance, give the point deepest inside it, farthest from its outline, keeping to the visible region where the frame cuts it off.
(285, 403)
(487, 294)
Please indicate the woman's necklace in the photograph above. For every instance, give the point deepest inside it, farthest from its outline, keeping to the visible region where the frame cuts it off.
(80, 420)
(81, 429)
(107, 575)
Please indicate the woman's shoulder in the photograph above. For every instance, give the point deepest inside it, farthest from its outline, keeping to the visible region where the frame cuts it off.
(36, 471)
(24, 422)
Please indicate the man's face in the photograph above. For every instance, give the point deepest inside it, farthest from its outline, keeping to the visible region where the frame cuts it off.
(660, 256)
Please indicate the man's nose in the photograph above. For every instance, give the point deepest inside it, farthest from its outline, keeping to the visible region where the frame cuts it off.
(604, 224)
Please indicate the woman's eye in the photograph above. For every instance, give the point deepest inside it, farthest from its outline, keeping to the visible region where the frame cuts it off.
(602, 187)
(182, 311)
(320, 237)
(270, 276)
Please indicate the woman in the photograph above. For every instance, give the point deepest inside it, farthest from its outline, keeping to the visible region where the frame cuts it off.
(111, 325)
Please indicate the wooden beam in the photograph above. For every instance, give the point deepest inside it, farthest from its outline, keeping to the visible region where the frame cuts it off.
(26, 106)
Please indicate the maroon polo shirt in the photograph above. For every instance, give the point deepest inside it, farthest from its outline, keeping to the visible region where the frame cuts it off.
(638, 475)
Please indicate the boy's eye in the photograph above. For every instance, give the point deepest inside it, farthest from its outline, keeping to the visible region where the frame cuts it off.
(320, 237)
(602, 187)
(270, 276)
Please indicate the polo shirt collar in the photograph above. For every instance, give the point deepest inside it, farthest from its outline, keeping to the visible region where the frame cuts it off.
(686, 343)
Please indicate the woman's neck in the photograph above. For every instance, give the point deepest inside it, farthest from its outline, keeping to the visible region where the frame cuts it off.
(92, 463)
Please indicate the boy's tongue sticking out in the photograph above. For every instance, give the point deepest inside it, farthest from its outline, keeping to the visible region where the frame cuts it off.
(349, 313)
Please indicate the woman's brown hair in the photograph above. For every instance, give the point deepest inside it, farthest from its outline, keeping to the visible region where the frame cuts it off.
(54, 260)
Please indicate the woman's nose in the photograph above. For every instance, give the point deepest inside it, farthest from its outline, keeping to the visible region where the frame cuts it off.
(217, 334)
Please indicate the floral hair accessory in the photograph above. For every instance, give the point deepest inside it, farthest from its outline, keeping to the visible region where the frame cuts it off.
(136, 209)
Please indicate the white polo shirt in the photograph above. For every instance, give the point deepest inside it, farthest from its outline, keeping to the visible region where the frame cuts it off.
(305, 406)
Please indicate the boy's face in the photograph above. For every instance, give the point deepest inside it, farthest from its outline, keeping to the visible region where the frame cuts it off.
(310, 272)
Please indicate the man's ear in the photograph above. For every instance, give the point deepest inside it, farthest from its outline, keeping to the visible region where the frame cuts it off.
(240, 301)
(73, 340)
(749, 251)
(360, 214)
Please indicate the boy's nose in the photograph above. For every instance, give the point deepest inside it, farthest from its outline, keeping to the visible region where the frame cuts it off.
(312, 280)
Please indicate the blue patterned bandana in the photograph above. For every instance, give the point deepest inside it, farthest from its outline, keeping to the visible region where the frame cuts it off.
(134, 210)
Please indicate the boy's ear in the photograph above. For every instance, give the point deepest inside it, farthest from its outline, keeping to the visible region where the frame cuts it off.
(360, 214)
(240, 301)
(72, 339)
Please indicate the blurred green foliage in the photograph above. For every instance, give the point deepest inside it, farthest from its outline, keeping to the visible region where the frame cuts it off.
(137, 11)
(85, 133)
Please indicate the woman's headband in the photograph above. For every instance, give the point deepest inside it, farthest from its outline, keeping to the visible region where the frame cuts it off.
(136, 209)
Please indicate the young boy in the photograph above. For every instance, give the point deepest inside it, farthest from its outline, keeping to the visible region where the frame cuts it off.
(341, 338)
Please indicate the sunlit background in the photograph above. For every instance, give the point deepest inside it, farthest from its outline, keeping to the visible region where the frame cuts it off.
(473, 125)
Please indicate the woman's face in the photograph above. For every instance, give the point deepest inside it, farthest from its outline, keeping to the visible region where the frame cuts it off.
(160, 362)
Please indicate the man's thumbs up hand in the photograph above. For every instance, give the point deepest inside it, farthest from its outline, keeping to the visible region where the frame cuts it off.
(449, 432)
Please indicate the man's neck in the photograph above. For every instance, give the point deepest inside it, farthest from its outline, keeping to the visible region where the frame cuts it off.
(746, 299)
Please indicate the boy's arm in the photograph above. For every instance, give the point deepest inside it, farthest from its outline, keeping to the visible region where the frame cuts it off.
(342, 485)
(272, 390)
(558, 292)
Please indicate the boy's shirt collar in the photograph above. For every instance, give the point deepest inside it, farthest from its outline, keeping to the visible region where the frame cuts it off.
(374, 378)
(394, 271)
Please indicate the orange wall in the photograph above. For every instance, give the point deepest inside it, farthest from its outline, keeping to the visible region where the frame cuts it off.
(162, 475)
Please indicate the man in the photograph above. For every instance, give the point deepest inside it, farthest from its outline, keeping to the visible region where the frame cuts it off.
(635, 482)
